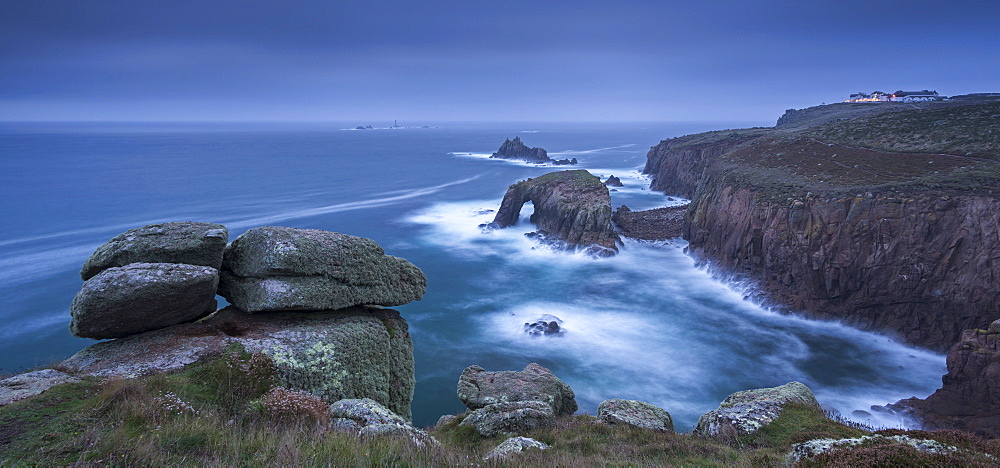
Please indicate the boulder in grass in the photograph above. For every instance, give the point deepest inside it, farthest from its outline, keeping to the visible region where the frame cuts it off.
(747, 411)
(278, 268)
(634, 413)
(515, 445)
(32, 383)
(478, 388)
(365, 416)
(510, 418)
(185, 242)
(140, 297)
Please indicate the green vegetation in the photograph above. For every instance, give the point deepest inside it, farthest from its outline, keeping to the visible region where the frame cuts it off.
(227, 412)
(579, 178)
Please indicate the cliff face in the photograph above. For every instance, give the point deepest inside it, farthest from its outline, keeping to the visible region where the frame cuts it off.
(574, 206)
(921, 267)
(970, 397)
(901, 243)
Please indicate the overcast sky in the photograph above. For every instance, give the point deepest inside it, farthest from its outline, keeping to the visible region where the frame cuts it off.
(513, 60)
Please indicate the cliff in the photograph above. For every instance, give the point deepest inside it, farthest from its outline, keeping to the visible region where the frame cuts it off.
(969, 398)
(882, 222)
(573, 206)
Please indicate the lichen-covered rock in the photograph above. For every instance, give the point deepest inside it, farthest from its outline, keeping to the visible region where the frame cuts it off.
(185, 242)
(139, 297)
(360, 352)
(812, 448)
(29, 384)
(366, 417)
(635, 413)
(478, 388)
(515, 445)
(573, 206)
(510, 418)
(747, 411)
(278, 268)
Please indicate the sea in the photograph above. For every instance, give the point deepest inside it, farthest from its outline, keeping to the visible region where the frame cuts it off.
(648, 324)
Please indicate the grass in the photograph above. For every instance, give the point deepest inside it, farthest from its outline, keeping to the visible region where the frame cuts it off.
(216, 413)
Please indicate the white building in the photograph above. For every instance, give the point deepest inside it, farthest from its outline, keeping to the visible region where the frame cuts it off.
(914, 96)
(877, 96)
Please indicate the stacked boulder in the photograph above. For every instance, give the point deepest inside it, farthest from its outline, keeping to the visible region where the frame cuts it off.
(152, 288)
(275, 268)
(512, 402)
(149, 278)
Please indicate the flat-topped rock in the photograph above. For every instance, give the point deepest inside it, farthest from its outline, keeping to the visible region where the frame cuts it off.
(279, 268)
(478, 388)
(574, 206)
(139, 297)
(187, 242)
(32, 383)
(361, 352)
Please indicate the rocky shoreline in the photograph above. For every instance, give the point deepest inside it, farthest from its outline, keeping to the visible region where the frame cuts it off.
(897, 238)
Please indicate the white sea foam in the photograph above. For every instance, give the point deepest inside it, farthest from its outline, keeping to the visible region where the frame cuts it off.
(591, 151)
(649, 324)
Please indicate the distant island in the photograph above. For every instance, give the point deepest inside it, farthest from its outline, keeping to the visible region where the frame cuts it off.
(515, 149)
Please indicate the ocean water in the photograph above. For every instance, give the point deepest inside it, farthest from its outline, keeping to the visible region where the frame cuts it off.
(646, 324)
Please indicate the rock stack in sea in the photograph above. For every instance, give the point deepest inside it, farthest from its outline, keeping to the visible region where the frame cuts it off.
(516, 149)
(307, 299)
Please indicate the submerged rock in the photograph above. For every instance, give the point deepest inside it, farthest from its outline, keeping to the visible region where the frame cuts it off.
(360, 352)
(546, 325)
(747, 411)
(573, 206)
(510, 418)
(478, 388)
(635, 413)
(274, 268)
(184, 242)
(139, 297)
(515, 445)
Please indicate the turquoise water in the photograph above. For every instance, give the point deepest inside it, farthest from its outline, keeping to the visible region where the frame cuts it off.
(646, 324)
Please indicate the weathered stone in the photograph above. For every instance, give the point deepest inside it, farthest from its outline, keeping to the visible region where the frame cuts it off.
(515, 445)
(371, 419)
(656, 224)
(445, 419)
(510, 418)
(812, 448)
(139, 297)
(29, 384)
(969, 398)
(634, 413)
(185, 242)
(747, 411)
(478, 388)
(515, 149)
(613, 182)
(361, 352)
(573, 206)
(278, 268)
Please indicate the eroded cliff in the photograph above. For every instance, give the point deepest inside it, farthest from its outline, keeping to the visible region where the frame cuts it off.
(904, 243)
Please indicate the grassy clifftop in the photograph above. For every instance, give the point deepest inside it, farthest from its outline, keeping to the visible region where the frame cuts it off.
(217, 414)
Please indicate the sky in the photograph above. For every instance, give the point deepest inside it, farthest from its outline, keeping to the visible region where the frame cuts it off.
(470, 60)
